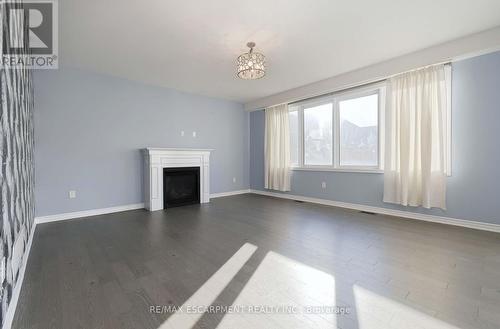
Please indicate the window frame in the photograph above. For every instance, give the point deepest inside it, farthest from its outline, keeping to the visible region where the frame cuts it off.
(334, 99)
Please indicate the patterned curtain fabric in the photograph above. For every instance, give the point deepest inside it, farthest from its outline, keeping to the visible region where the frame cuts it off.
(416, 146)
(277, 148)
(17, 172)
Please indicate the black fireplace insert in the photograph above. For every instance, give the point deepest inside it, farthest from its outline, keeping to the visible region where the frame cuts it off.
(181, 186)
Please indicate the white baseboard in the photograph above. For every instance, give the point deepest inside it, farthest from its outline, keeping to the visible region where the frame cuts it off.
(102, 211)
(87, 213)
(229, 193)
(11, 310)
(386, 211)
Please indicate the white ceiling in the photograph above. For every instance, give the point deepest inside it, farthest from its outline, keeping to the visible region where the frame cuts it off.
(192, 45)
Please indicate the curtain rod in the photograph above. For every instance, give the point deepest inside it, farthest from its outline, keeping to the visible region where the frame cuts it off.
(363, 84)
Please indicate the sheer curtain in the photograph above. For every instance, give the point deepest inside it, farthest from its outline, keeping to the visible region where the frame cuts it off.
(416, 138)
(277, 148)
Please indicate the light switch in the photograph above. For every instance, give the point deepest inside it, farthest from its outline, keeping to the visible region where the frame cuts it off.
(323, 185)
(194, 133)
(182, 132)
(72, 194)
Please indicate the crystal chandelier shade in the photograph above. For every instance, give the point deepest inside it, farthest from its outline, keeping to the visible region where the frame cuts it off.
(251, 65)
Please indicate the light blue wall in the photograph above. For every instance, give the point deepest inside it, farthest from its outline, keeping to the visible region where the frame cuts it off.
(473, 189)
(89, 129)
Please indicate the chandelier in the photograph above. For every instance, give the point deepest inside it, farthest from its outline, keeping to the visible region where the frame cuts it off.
(251, 65)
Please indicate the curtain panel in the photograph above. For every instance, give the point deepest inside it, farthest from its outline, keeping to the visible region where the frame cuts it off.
(277, 148)
(416, 138)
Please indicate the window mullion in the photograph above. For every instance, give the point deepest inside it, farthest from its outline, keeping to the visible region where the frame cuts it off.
(301, 137)
(336, 134)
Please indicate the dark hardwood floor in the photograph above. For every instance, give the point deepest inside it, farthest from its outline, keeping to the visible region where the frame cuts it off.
(107, 271)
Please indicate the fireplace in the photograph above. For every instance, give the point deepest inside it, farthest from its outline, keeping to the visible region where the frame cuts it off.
(157, 159)
(181, 186)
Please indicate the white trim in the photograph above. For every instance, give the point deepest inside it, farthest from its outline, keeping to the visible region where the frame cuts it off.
(87, 213)
(385, 211)
(229, 193)
(157, 159)
(334, 99)
(367, 170)
(162, 150)
(11, 310)
(316, 101)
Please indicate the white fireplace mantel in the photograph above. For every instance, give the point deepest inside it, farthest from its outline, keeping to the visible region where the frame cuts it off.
(155, 159)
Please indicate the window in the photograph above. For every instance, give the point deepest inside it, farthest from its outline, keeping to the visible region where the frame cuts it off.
(359, 131)
(339, 132)
(318, 135)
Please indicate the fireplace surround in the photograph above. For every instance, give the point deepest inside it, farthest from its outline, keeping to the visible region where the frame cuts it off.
(156, 159)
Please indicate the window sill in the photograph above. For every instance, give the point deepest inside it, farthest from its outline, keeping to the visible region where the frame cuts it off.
(347, 170)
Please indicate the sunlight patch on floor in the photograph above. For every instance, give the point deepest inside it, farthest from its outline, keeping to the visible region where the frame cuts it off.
(212, 288)
(375, 312)
(299, 293)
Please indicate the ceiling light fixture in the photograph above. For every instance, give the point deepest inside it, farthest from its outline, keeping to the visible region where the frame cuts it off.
(251, 65)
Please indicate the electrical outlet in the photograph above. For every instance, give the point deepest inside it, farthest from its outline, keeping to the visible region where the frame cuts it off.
(72, 194)
(323, 185)
(194, 133)
(234, 179)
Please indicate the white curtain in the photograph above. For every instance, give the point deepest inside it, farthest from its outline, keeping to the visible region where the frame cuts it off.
(417, 125)
(277, 148)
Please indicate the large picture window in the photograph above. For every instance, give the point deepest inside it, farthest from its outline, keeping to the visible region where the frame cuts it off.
(340, 131)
